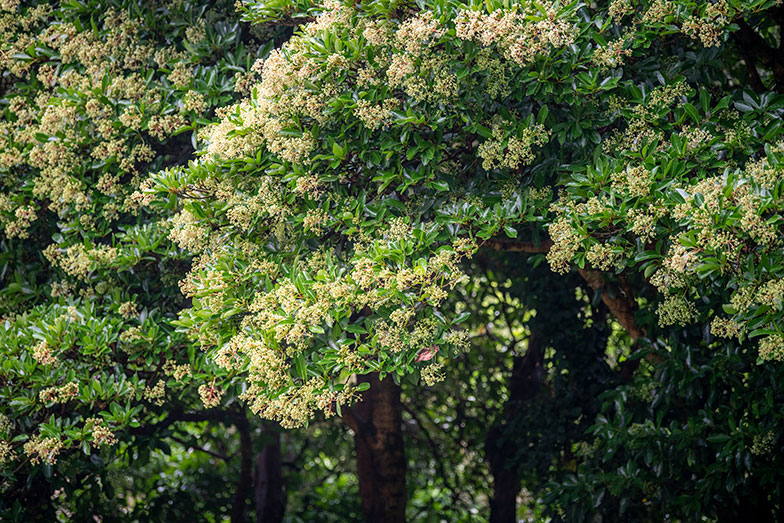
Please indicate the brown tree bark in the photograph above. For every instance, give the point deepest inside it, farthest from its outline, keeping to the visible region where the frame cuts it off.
(524, 383)
(378, 440)
(268, 478)
(619, 300)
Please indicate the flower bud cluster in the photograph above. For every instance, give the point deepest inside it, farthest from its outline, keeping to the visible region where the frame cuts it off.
(43, 450)
(675, 310)
(522, 34)
(155, 394)
(101, 434)
(509, 151)
(210, 395)
(62, 394)
(44, 354)
(772, 348)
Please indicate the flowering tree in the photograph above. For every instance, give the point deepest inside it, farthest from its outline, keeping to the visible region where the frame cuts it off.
(333, 212)
(384, 144)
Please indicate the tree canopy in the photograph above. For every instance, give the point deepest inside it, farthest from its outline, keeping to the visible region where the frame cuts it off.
(383, 145)
(549, 231)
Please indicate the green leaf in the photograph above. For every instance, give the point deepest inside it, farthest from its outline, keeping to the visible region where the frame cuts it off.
(299, 363)
(692, 112)
(460, 318)
(338, 151)
(439, 185)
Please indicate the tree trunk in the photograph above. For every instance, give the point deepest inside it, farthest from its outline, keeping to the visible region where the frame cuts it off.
(270, 498)
(240, 499)
(378, 439)
(506, 480)
(524, 383)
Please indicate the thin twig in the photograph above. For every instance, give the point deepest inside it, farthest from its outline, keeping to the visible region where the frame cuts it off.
(200, 449)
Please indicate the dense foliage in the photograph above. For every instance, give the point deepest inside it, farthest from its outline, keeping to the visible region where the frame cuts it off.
(356, 166)
(332, 207)
(94, 96)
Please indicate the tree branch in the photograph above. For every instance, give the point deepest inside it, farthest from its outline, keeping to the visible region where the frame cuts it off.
(618, 299)
(178, 415)
(620, 303)
(751, 66)
(200, 449)
(510, 245)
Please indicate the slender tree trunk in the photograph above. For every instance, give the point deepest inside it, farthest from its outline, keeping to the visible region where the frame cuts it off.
(240, 499)
(270, 498)
(506, 480)
(381, 462)
(524, 383)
